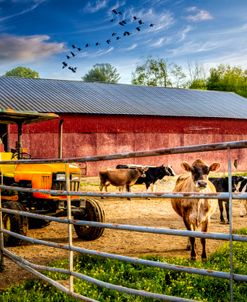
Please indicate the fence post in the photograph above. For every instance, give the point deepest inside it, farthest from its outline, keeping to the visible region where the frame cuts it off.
(1, 236)
(70, 234)
(230, 222)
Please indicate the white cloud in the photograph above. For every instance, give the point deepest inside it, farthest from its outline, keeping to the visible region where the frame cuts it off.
(27, 48)
(198, 14)
(101, 52)
(160, 42)
(95, 6)
(133, 46)
(184, 33)
(34, 5)
(191, 48)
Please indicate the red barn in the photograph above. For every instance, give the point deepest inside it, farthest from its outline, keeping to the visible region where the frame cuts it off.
(100, 118)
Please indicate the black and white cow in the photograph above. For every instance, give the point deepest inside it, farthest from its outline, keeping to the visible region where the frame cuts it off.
(241, 187)
(221, 185)
(152, 173)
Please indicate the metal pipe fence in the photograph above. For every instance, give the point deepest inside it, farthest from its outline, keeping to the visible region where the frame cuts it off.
(71, 248)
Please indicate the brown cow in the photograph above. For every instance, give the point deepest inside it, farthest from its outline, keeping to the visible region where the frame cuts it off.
(120, 177)
(196, 212)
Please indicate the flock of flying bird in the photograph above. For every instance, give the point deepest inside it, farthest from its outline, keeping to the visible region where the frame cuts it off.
(117, 16)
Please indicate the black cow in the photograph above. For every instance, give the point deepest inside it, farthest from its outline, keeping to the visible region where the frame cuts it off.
(152, 173)
(221, 185)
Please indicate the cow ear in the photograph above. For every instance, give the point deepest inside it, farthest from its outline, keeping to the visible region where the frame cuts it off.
(214, 167)
(186, 166)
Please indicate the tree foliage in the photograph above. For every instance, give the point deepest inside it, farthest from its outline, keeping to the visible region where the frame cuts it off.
(227, 78)
(157, 72)
(102, 73)
(22, 72)
(221, 78)
(197, 77)
(198, 84)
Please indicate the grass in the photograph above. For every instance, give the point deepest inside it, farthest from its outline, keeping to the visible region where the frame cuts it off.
(190, 286)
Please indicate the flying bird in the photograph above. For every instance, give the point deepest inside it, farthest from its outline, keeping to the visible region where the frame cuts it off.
(126, 33)
(113, 34)
(138, 29)
(87, 45)
(73, 55)
(68, 57)
(118, 38)
(151, 25)
(112, 20)
(135, 18)
(73, 69)
(78, 48)
(64, 64)
(120, 13)
(73, 46)
(114, 11)
(97, 44)
(140, 22)
(121, 23)
(108, 41)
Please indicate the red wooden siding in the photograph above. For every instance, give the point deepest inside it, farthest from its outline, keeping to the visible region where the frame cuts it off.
(96, 134)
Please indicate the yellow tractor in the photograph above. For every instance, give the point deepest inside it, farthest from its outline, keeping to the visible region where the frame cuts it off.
(51, 176)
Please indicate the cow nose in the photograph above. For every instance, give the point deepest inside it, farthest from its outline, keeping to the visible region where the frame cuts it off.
(202, 183)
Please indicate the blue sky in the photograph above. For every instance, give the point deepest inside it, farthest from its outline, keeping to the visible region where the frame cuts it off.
(39, 34)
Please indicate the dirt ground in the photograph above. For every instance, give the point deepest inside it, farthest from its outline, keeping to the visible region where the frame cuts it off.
(143, 212)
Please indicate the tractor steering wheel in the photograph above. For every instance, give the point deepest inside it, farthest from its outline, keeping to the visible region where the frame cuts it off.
(23, 155)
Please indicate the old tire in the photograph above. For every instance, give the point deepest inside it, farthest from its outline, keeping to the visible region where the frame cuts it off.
(14, 223)
(35, 223)
(93, 212)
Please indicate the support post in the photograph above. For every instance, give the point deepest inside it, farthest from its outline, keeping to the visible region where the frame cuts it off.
(60, 142)
(1, 233)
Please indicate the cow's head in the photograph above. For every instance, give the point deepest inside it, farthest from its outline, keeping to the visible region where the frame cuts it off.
(169, 171)
(142, 171)
(199, 172)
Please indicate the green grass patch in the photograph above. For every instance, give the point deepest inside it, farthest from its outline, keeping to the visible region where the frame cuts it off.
(190, 286)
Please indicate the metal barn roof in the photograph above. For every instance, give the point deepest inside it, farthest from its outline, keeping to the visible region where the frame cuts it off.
(62, 96)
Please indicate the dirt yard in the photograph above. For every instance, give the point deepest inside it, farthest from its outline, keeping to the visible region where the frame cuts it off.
(154, 212)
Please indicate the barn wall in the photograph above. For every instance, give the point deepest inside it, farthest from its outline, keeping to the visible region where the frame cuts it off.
(97, 135)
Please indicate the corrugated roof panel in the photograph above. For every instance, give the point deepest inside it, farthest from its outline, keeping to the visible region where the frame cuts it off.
(45, 95)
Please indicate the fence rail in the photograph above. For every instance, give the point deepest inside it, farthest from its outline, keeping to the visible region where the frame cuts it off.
(71, 248)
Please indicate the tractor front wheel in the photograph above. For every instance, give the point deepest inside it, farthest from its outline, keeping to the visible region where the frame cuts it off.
(14, 223)
(93, 212)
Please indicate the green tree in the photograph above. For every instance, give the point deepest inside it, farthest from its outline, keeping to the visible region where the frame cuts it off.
(178, 76)
(227, 78)
(22, 72)
(198, 84)
(154, 72)
(157, 72)
(197, 77)
(102, 73)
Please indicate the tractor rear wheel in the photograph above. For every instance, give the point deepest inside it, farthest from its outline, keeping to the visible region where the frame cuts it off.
(93, 212)
(14, 223)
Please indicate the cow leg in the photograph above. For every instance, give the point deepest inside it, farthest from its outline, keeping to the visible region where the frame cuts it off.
(204, 228)
(227, 210)
(147, 189)
(191, 239)
(242, 208)
(128, 190)
(101, 186)
(220, 203)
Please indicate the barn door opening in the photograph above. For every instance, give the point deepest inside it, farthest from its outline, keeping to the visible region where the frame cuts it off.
(3, 137)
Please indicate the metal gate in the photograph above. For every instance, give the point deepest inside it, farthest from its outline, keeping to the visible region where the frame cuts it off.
(71, 247)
